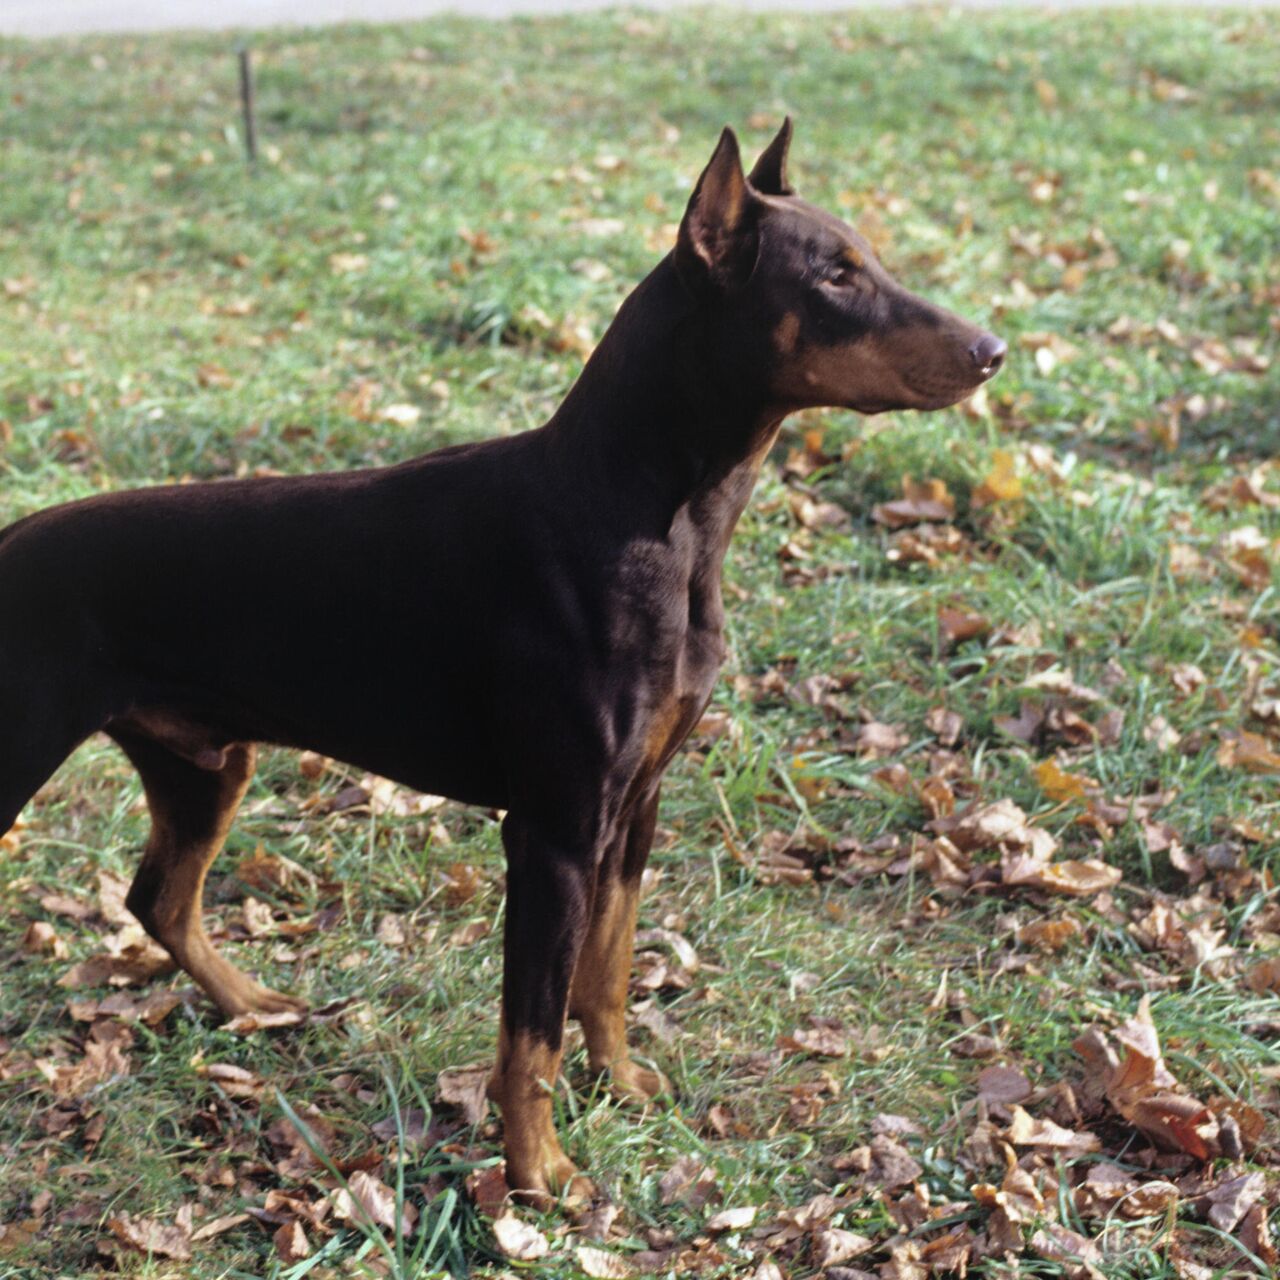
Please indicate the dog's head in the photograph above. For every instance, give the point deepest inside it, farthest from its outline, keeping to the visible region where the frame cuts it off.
(841, 331)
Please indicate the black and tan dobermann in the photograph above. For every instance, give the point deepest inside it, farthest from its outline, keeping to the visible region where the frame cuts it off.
(531, 624)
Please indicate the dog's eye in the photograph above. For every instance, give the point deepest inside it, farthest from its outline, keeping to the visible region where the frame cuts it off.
(842, 275)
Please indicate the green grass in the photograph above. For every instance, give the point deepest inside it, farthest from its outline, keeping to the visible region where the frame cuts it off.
(171, 315)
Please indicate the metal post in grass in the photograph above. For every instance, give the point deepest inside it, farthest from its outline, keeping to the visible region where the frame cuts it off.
(246, 104)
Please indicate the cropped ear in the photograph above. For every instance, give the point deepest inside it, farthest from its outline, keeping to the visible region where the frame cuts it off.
(770, 174)
(719, 237)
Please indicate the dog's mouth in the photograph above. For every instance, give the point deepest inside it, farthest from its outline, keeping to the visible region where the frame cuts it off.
(924, 390)
(922, 399)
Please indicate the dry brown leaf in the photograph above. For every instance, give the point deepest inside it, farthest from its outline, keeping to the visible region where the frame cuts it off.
(875, 740)
(1240, 749)
(519, 1241)
(732, 1219)
(688, 1180)
(834, 1245)
(211, 1227)
(468, 935)
(956, 625)
(290, 1242)
(146, 1235)
(1078, 878)
(1107, 1189)
(466, 1087)
(822, 1041)
(945, 725)
(41, 938)
(1059, 785)
(1003, 1085)
(1001, 483)
(919, 503)
(816, 515)
(1059, 1244)
(885, 1164)
(244, 1024)
(105, 1058)
(601, 1264)
(1142, 1089)
(1255, 1235)
(369, 1199)
(1049, 935)
(112, 892)
(130, 958)
(1026, 1131)
(233, 1080)
(488, 1188)
(1229, 1201)
(294, 1158)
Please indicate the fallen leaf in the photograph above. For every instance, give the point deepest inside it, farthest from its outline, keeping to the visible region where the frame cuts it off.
(146, 1235)
(929, 501)
(875, 740)
(211, 1227)
(732, 1219)
(1026, 1131)
(956, 626)
(519, 1240)
(1048, 935)
(834, 1245)
(1060, 786)
(1229, 1201)
(1001, 483)
(822, 1041)
(369, 1199)
(1251, 752)
(342, 264)
(41, 938)
(131, 958)
(466, 1087)
(945, 725)
(244, 1024)
(1003, 1085)
(290, 1242)
(687, 1180)
(488, 1188)
(400, 415)
(601, 1264)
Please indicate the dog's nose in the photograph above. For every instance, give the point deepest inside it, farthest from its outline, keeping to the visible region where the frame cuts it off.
(988, 354)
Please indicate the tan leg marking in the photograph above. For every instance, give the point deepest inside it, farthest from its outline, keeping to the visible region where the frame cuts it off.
(522, 1083)
(191, 813)
(598, 996)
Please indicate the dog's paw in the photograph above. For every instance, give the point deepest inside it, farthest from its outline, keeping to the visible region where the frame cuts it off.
(555, 1182)
(248, 998)
(630, 1082)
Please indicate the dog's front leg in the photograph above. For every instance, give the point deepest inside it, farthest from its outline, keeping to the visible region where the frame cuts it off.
(548, 900)
(598, 997)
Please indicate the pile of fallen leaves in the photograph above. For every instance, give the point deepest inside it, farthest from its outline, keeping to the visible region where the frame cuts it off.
(1117, 1157)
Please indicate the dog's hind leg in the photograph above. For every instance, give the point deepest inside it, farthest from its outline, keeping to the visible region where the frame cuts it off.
(191, 812)
(35, 738)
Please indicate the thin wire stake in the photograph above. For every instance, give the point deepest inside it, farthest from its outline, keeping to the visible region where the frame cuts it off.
(246, 105)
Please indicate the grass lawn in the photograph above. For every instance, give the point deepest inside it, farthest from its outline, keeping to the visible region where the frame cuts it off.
(1087, 628)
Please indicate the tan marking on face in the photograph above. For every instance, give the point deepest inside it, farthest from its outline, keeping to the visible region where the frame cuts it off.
(911, 367)
(853, 257)
(787, 333)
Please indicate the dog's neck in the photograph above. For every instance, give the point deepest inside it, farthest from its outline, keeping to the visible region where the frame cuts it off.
(649, 418)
